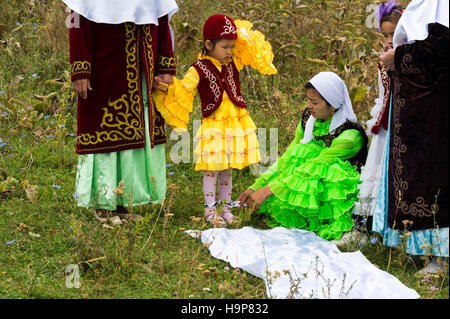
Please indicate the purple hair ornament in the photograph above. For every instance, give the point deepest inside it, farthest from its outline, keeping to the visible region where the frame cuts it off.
(383, 9)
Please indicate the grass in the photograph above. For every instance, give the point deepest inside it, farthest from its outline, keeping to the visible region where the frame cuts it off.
(155, 258)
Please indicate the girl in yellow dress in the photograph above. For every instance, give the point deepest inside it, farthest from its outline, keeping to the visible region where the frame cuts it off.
(227, 136)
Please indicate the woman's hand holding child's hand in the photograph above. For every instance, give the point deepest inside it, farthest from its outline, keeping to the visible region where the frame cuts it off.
(162, 82)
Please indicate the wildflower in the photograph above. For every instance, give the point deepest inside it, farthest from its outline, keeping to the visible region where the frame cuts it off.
(51, 136)
(52, 122)
(120, 188)
(171, 173)
(34, 235)
(168, 165)
(405, 222)
(18, 23)
(433, 288)
(2, 92)
(75, 195)
(22, 226)
(10, 242)
(373, 240)
(34, 75)
(226, 268)
(425, 279)
(62, 125)
(46, 117)
(4, 113)
(237, 270)
(195, 219)
(56, 186)
(2, 144)
(34, 29)
(73, 134)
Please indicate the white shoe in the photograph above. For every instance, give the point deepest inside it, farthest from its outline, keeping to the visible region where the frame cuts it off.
(115, 220)
(433, 267)
(354, 237)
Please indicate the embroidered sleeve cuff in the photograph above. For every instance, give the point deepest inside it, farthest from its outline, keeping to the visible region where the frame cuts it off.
(80, 70)
(166, 65)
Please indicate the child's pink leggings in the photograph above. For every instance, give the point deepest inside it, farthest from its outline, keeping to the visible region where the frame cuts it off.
(209, 186)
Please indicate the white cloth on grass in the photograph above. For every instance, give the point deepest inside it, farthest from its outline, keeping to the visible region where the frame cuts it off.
(321, 270)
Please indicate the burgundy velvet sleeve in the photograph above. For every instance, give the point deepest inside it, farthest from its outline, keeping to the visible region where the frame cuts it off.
(80, 50)
(165, 61)
(423, 56)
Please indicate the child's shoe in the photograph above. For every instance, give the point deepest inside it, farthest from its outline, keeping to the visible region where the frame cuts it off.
(212, 217)
(227, 215)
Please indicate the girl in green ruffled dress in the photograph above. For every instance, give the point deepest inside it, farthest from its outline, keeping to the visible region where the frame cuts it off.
(313, 185)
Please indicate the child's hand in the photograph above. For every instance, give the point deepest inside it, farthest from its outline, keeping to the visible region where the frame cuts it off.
(82, 86)
(165, 78)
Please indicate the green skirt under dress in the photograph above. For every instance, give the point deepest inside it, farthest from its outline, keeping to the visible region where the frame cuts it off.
(143, 172)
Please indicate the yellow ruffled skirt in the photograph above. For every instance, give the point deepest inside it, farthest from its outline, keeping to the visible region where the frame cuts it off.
(226, 139)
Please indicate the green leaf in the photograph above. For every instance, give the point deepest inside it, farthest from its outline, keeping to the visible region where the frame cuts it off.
(357, 94)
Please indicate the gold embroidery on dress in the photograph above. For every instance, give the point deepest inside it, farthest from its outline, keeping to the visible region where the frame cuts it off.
(166, 63)
(406, 65)
(80, 67)
(419, 208)
(126, 122)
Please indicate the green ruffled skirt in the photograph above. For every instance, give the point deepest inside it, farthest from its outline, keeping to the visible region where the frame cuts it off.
(311, 194)
(143, 172)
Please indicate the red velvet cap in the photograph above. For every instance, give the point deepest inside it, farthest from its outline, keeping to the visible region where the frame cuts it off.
(219, 26)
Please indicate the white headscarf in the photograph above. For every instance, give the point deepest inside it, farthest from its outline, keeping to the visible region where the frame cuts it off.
(335, 92)
(120, 11)
(413, 25)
